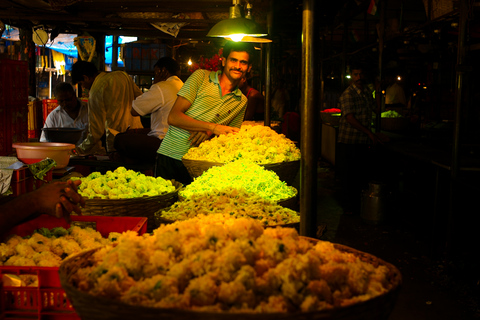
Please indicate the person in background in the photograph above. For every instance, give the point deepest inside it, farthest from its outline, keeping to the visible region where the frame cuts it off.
(255, 101)
(109, 103)
(158, 101)
(355, 138)
(280, 100)
(208, 103)
(394, 94)
(70, 113)
(58, 199)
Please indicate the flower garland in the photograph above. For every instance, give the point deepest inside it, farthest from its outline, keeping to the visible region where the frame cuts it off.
(212, 64)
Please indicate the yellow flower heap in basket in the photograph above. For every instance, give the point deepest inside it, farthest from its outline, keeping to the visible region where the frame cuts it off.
(212, 264)
(241, 174)
(231, 203)
(259, 144)
(123, 184)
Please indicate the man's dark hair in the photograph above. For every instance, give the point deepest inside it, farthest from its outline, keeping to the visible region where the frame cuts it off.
(357, 66)
(83, 68)
(63, 87)
(239, 46)
(168, 63)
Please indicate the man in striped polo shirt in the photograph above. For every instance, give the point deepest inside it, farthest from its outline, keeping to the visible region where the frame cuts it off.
(208, 103)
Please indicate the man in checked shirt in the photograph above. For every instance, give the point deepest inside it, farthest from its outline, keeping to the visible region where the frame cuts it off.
(355, 139)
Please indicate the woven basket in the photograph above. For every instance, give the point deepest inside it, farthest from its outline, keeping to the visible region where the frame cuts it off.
(290, 203)
(394, 124)
(91, 307)
(286, 171)
(332, 119)
(134, 207)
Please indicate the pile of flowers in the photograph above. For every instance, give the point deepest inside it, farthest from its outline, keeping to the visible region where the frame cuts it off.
(212, 64)
(242, 174)
(123, 184)
(214, 264)
(332, 110)
(391, 114)
(48, 247)
(233, 203)
(258, 144)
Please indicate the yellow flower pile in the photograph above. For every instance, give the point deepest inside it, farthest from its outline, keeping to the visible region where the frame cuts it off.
(214, 264)
(123, 184)
(259, 144)
(241, 174)
(48, 247)
(231, 202)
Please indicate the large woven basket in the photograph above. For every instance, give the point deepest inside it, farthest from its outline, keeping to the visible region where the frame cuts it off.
(97, 308)
(394, 124)
(286, 171)
(134, 207)
(290, 203)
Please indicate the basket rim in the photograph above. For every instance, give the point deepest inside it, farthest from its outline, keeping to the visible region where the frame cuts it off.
(394, 272)
(222, 163)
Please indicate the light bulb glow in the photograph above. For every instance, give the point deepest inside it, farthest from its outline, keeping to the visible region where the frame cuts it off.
(236, 37)
(190, 62)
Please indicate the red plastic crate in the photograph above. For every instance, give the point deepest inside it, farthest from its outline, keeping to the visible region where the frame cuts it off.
(23, 181)
(48, 105)
(48, 300)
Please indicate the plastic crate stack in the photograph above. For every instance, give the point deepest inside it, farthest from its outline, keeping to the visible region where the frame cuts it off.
(48, 300)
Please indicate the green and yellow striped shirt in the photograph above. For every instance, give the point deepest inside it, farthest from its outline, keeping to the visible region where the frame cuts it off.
(203, 90)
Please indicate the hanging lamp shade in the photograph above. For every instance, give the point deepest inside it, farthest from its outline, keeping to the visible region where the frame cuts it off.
(236, 26)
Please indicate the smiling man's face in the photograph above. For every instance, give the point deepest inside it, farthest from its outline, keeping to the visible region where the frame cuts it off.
(236, 65)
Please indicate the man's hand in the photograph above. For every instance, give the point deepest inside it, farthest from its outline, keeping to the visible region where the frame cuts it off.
(375, 139)
(197, 137)
(220, 129)
(59, 199)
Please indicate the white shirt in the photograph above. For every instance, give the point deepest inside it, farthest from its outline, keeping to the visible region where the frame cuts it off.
(158, 101)
(395, 94)
(59, 118)
(109, 103)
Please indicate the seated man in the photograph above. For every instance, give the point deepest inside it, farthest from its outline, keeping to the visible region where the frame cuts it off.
(70, 113)
(137, 147)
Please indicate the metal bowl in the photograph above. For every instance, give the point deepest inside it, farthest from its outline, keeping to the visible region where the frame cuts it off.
(64, 135)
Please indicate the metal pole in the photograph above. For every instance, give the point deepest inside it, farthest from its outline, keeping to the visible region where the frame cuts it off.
(308, 163)
(268, 62)
(460, 74)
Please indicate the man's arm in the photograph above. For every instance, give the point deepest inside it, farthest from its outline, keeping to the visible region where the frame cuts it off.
(96, 123)
(357, 125)
(58, 199)
(178, 118)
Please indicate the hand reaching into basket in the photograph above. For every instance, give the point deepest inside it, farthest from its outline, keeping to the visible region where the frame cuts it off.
(197, 137)
(58, 199)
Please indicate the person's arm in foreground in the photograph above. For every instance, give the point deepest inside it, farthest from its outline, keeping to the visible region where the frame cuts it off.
(178, 118)
(58, 199)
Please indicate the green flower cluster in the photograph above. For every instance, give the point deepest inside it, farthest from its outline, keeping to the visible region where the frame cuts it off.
(241, 174)
(391, 114)
(123, 184)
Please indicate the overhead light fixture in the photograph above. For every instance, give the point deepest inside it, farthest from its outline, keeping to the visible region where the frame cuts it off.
(237, 27)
